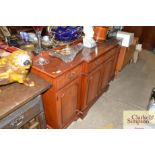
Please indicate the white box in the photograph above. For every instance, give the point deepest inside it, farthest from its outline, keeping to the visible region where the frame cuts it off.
(139, 47)
(126, 37)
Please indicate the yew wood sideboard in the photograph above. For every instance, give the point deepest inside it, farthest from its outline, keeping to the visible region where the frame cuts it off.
(78, 84)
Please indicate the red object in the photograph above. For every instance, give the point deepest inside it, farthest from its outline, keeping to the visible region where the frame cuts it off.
(7, 48)
(12, 49)
(38, 28)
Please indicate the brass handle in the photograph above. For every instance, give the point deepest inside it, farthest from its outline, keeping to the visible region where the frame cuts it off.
(96, 62)
(72, 75)
(91, 77)
(34, 126)
(62, 95)
(17, 122)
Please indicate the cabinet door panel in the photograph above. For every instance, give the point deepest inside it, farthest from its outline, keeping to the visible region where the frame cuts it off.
(107, 72)
(93, 85)
(114, 69)
(69, 99)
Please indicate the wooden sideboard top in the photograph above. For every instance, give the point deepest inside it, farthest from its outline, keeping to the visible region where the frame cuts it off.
(57, 67)
(15, 95)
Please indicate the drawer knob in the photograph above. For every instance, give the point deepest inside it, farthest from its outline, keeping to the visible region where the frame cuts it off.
(17, 122)
(62, 95)
(96, 62)
(72, 75)
(91, 77)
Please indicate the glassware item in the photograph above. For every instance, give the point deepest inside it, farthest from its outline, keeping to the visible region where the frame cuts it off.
(67, 33)
(67, 54)
(41, 60)
(24, 36)
(51, 35)
(38, 30)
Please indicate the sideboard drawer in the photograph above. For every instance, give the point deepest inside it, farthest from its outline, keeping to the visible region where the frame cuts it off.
(68, 77)
(92, 65)
(95, 63)
(22, 115)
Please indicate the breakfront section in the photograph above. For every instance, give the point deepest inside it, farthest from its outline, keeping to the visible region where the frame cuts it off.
(108, 69)
(106, 73)
(96, 77)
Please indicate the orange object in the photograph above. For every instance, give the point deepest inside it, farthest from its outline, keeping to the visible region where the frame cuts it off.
(100, 33)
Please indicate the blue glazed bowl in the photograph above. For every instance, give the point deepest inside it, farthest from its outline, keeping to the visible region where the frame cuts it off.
(67, 33)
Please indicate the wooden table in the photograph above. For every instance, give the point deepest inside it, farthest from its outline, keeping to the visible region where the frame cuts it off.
(19, 103)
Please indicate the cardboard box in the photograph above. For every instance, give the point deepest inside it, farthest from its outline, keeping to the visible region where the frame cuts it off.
(126, 37)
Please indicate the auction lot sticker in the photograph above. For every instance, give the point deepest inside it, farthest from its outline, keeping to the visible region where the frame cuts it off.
(139, 119)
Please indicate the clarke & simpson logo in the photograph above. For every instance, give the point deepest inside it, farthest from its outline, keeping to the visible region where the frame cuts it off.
(138, 119)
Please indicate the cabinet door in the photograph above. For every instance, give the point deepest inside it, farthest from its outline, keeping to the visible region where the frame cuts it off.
(93, 85)
(114, 70)
(68, 100)
(107, 72)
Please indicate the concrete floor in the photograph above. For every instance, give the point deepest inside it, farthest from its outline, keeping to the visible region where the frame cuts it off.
(129, 91)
